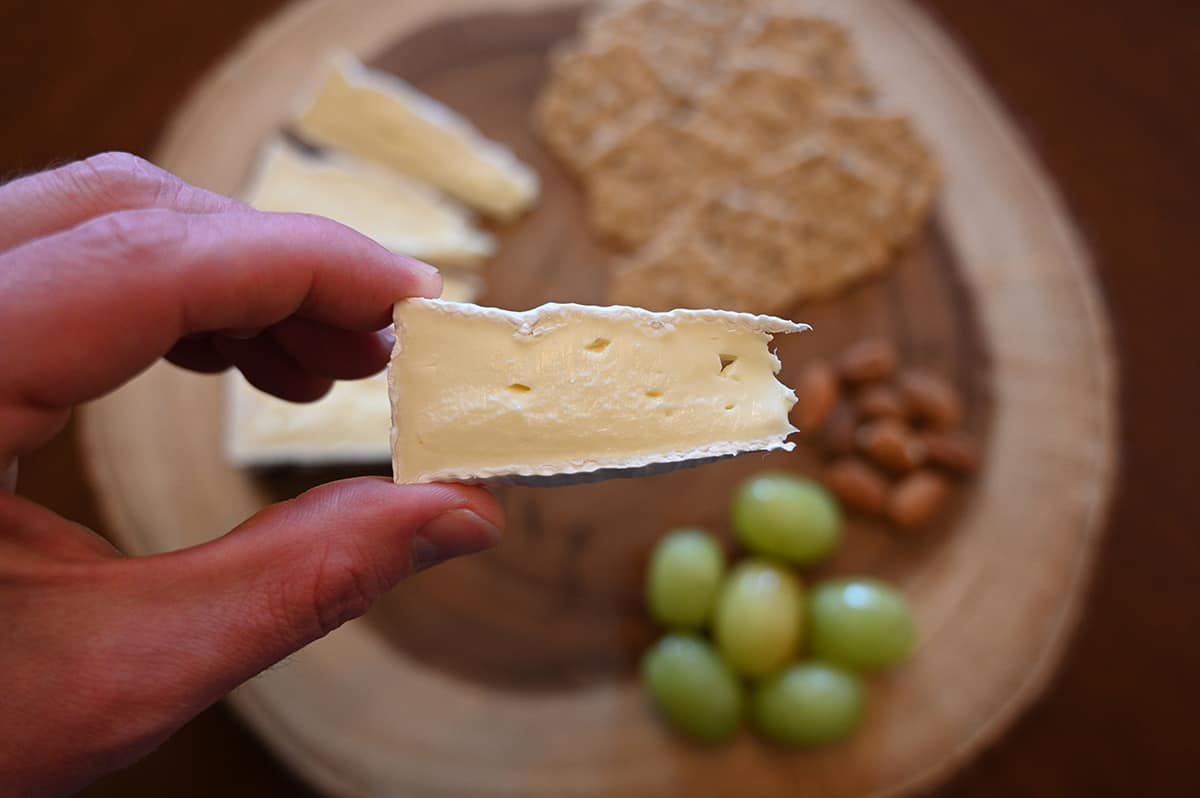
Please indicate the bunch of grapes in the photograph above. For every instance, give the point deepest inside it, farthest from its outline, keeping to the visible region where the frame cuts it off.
(752, 640)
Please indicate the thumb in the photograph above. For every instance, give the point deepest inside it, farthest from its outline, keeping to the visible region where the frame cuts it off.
(297, 570)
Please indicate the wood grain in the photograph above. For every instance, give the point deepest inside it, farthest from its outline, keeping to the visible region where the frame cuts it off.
(564, 585)
(1094, 88)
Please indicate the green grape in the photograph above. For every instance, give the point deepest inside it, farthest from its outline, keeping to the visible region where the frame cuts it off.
(759, 617)
(859, 623)
(683, 578)
(810, 703)
(692, 687)
(785, 516)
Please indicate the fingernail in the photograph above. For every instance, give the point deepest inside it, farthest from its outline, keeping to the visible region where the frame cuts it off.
(451, 534)
(430, 276)
(419, 266)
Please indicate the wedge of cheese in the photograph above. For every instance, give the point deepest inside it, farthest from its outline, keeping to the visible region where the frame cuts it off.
(568, 393)
(348, 425)
(377, 116)
(401, 214)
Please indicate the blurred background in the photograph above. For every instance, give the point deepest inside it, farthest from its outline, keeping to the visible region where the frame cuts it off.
(1104, 91)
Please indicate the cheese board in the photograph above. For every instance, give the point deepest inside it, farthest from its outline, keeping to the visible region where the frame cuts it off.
(514, 673)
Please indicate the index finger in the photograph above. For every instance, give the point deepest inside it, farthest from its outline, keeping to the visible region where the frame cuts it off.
(84, 310)
(56, 200)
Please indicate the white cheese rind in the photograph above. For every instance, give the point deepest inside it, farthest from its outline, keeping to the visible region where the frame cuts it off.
(401, 214)
(567, 393)
(377, 116)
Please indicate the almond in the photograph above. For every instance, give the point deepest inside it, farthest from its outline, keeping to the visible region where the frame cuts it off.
(931, 398)
(838, 436)
(868, 360)
(952, 450)
(857, 484)
(816, 395)
(917, 498)
(879, 401)
(891, 444)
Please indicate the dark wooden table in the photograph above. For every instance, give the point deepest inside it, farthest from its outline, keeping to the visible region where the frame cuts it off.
(1106, 91)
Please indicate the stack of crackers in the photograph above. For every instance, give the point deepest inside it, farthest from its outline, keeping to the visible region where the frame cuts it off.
(734, 151)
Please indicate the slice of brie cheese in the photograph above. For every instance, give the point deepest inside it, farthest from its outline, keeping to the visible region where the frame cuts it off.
(566, 393)
(347, 425)
(377, 116)
(401, 214)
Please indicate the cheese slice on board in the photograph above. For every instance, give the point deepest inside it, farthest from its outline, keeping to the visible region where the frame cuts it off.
(571, 393)
(401, 214)
(377, 116)
(348, 425)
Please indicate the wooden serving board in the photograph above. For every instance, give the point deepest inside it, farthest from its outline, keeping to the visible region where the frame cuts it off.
(512, 673)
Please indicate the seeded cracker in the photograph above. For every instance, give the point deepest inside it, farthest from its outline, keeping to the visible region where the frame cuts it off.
(686, 266)
(635, 185)
(806, 46)
(755, 111)
(678, 274)
(685, 41)
(823, 192)
(784, 254)
(594, 94)
(758, 173)
(886, 151)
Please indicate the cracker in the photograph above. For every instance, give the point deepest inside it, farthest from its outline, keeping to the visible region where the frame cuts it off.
(634, 186)
(758, 173)
(755, 110)
(689, 264)
(811, 47)
(886, 151)
(593, 93)
(703, 21)
(841, 217)
(685, 41)
(680, 276)
(802, 232)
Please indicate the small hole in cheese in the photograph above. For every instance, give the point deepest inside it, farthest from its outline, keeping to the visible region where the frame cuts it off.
(653, 394)
(730, 407)
(519, 387)
(599, 345)
(727, 361)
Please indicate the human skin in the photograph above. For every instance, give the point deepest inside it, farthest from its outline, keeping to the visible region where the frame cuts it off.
(107, 265)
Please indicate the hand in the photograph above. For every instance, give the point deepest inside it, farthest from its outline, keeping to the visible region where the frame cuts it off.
(105, 266)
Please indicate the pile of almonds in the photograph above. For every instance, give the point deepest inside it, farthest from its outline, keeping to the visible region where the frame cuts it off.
(891, 437)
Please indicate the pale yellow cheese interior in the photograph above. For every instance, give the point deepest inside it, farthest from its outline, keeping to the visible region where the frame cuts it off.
(479, 393)
(382, 118)
(402, 215)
